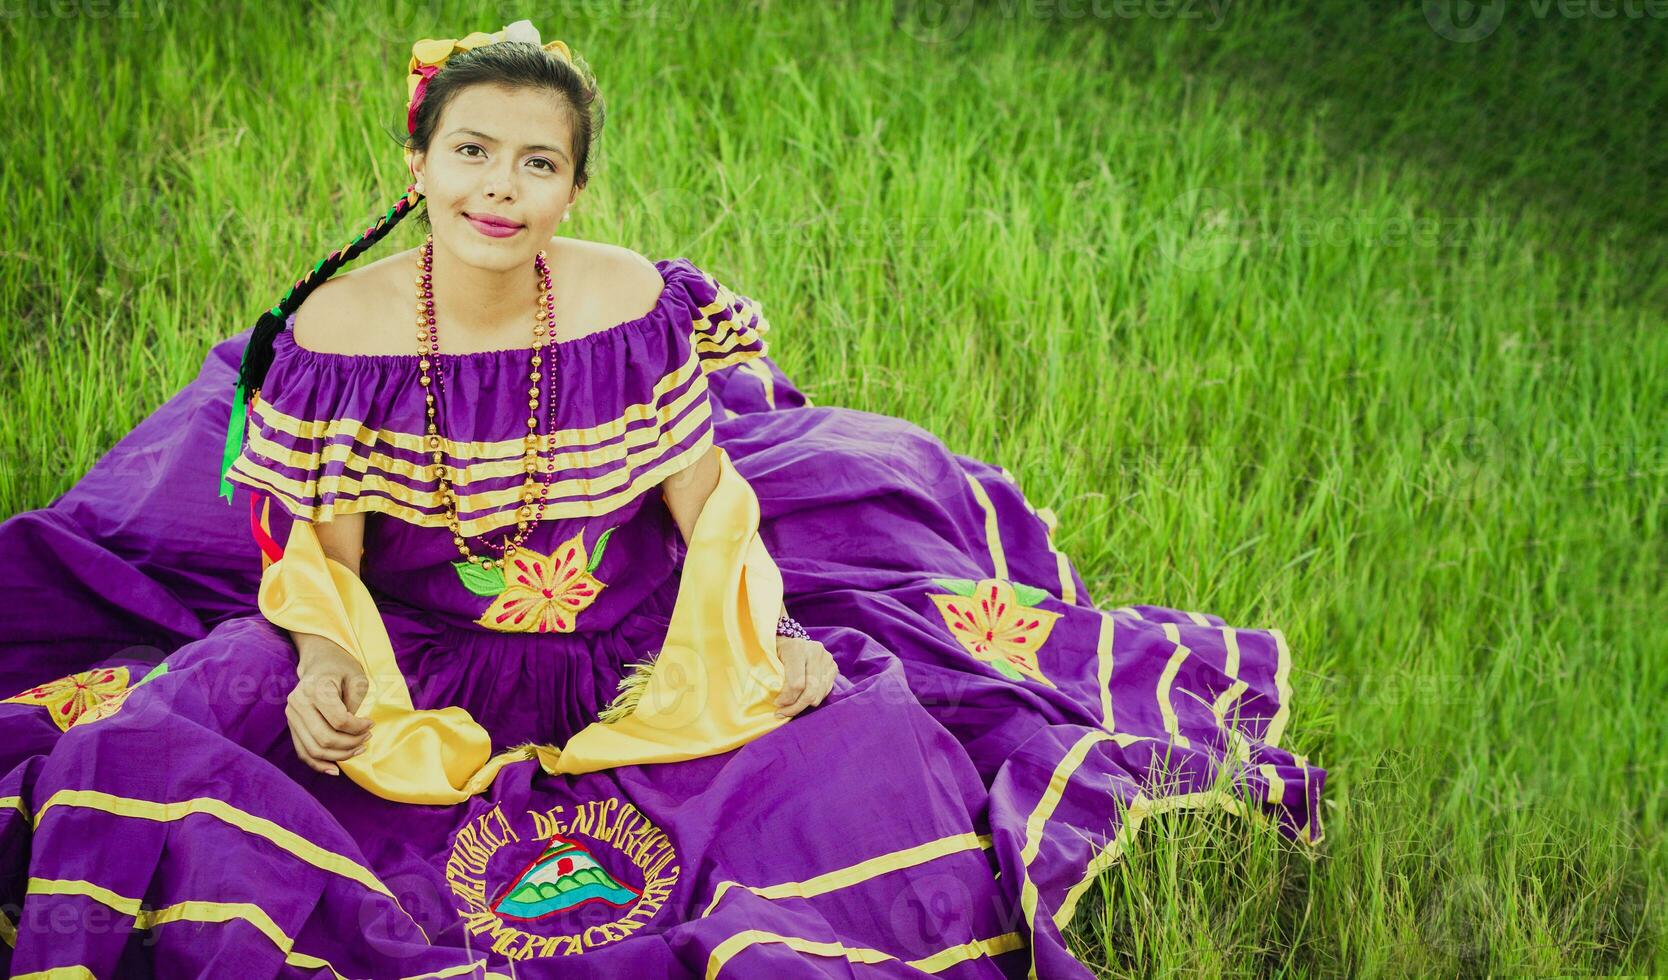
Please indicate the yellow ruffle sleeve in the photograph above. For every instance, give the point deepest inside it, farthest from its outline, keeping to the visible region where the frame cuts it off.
(712, 687)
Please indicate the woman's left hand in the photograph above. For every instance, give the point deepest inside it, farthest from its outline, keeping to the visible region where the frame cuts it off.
(808, 675)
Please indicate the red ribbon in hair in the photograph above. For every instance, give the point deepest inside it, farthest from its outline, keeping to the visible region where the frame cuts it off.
(427, 71)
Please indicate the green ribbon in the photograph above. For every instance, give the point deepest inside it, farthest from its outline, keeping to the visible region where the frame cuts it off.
(234, 431)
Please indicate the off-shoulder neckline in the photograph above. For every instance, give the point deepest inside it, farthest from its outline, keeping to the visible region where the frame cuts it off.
(669, 270)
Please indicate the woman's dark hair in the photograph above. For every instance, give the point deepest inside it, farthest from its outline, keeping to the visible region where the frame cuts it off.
(511, 64)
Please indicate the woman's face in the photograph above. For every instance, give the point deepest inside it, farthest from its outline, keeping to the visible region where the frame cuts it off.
(504, 154)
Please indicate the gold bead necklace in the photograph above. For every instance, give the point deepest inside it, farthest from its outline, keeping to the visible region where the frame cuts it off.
(428, 345)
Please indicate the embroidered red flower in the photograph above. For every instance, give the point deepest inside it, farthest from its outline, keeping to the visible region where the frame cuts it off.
(544, 593)
(993, 623)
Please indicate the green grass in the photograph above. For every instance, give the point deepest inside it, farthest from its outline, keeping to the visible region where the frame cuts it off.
(1318, 320)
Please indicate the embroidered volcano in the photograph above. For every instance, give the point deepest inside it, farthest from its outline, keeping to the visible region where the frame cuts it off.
(562, 877)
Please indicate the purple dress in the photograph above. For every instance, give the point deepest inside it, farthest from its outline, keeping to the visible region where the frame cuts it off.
(990, 746)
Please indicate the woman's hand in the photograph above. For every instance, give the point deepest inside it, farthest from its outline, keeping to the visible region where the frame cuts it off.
(330, 687)
(808, 675)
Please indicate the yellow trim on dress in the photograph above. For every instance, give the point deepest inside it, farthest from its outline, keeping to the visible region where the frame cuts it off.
(403, 501)
(862, 871)
(937, 962)
(273, 833)
(688, 705)
(190, 911)
(515, 449)
(364, 484)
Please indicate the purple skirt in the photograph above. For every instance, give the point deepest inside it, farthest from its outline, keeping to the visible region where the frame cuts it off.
(990, 747)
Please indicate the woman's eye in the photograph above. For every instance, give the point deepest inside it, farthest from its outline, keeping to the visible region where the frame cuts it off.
(547, 165)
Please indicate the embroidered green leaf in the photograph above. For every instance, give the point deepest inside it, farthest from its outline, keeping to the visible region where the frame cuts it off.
(596, 550)
(1030, 595)
(960, 586)
(157, 671)
(1007, 670)
(481, 581)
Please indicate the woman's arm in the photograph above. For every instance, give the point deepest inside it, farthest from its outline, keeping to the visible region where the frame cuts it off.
(342, 538)
(686, 493)
(687, 490)
(808, 669)
(330, 683)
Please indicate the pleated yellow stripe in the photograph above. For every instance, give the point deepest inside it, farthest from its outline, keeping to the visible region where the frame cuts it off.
(715, 362)
(1050, 799)
(578, 440)
(220, 912)
(1062, 567)
(475, 526)
(1276, 785)
(993, 535)
(8, 930)
(862, 871)
(14, 803)
(934, 963)
(1230, 642)
(1139, 810)
(745, 313)
(294, 959)
(1068, 585)
(639, 446)
(1282, 684)
(1040, 814)
(261, 827)
(1144, 806)
(144, 918)
(458, 971)
(1103, 672)
(1171, 724)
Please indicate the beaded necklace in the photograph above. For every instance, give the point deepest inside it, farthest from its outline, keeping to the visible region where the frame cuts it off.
(428, 344)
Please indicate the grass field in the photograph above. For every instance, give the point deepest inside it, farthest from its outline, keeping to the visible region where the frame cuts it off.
(1332, 320)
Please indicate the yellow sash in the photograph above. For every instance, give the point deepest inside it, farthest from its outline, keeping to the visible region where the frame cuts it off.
(712, 687)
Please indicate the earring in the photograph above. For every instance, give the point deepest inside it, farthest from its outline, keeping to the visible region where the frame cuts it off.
(566, 216)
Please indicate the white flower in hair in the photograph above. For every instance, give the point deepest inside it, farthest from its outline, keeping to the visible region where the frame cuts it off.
(523, 30)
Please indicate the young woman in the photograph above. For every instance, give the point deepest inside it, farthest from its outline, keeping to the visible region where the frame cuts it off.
(513, 687)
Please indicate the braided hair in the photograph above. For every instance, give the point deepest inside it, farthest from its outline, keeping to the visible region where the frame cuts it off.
(511, 64)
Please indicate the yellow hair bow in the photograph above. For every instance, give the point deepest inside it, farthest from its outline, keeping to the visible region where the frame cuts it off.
(429, 55)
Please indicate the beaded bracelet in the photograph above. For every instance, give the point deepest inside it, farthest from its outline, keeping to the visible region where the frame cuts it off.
(788, 626)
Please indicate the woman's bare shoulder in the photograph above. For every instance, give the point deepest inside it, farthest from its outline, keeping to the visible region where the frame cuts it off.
(598, 285)
(609, 284)
(349, 313)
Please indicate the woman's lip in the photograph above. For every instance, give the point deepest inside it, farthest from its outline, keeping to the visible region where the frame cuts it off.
(491, 228)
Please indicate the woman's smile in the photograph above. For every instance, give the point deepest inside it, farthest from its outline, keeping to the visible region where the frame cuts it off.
(492, 225)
